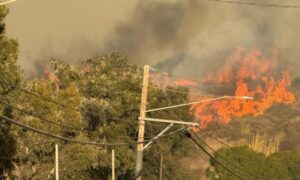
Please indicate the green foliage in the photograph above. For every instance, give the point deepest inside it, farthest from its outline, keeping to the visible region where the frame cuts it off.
(252, 165)
(105, 95)
(34, 152)
(289, 160)
(9, 80)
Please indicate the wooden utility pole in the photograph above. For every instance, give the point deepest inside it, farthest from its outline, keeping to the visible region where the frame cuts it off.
(113, 165)
(56, 163)
(140, 147)
(161, 168)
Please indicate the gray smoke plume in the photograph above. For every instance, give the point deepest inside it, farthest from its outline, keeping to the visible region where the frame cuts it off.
(191, 37)
(206, 32)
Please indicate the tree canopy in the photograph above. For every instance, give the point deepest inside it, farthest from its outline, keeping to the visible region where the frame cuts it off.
(253, 165)
(100, 102)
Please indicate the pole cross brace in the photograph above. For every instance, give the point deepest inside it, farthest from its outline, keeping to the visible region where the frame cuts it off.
(157, 136)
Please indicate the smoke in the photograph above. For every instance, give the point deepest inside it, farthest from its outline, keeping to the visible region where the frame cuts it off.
(192, 38)
(73, 52)
(206, 32)
(188, 38)
(158, 30)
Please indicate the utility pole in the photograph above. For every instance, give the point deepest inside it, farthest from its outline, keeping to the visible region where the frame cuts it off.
(140, 147)
(56, 163)
(113, 165)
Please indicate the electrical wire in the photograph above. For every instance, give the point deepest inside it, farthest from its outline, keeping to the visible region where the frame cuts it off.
(221, 142)
(64, 106)
(66, 126)
(41, 118)
(201, 89)
(70, 107)
(52, 101)
(222, 157)
(197, 93)
(189, 135)
(255, 4)
(41, 97)
(212, 137)
(180, 92)
(169, 74)
(48, 99)
(169, 134)
(57, 103)
(49, 134)
(200, 101)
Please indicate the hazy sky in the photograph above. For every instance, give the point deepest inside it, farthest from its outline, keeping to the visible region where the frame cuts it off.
(185, 36)
(43, 27)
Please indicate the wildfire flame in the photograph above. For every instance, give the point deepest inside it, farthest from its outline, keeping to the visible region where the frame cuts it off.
(251, 73)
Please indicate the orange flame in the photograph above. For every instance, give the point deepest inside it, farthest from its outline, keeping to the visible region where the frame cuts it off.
(251, 72)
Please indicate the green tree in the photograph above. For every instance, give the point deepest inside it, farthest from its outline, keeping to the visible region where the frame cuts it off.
(252, 165)
(112, 90)
(104, 94)
(290, 162)
(10, 78)
(35, 153)
(242, 157)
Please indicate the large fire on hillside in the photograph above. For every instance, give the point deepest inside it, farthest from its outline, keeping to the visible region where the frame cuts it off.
(252, 74)
(245, 73)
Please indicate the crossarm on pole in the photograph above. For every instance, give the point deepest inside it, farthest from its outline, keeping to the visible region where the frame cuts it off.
(171, 121)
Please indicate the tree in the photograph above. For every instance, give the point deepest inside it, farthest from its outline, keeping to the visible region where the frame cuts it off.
(252, 165)
(290, 160)
(35, 153)
(101, 98)
(10, 78)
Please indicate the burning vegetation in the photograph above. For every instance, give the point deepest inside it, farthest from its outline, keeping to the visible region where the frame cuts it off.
(251, 73)
(245, 73)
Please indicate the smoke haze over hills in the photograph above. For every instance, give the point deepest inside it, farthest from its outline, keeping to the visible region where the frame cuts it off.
(150, 32)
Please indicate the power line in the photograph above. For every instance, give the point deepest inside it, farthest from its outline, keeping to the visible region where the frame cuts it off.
(222, 157)
(255, 4)
(186, 92)
(170, 74)
(39, 117)
(65, 106)
(42, 97)
(201, 89)
(47, 120)
(200, 101)
(46, 133)
(214, 138)
(49, 100)
(189, 135)
(61, 124)
(61, 104)
(181, 92)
